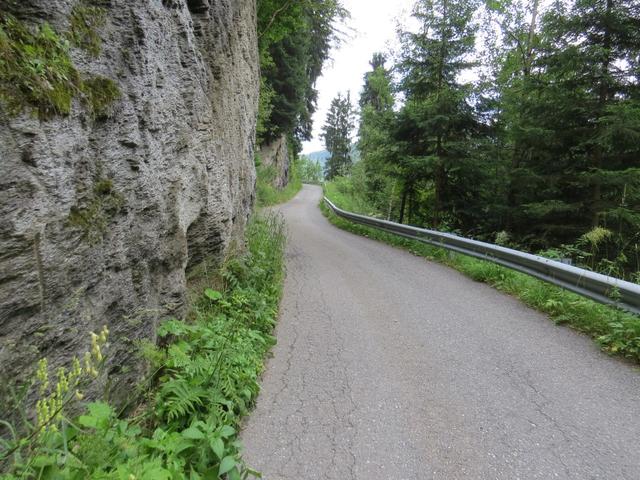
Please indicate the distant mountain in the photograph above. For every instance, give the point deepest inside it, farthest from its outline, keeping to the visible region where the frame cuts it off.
(320, 156)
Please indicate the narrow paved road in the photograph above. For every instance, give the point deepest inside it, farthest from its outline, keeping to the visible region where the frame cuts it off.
(391, 367)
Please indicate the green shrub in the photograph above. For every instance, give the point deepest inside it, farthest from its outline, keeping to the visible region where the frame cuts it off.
(267, 194)
(206, 371)
(99, 95)
(85, 21)
(35, 69)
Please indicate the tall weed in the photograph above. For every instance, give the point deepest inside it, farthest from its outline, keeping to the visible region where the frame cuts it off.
(207, 372)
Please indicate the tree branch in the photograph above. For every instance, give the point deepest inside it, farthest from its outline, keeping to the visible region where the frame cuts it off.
(274, 16)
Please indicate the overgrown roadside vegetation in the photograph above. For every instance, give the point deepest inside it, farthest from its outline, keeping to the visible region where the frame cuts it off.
(205, 381)
(267, 194)
(616, 332)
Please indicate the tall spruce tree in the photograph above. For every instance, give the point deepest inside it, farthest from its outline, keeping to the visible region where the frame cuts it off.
(546, 145)
(513, 53)
(337, 133)
(374, 141)
(376, 91)
(437, 122)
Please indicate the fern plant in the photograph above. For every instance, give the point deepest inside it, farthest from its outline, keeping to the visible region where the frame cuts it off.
(207, 375)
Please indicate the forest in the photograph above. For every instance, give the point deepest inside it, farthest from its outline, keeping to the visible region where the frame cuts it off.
(510, 121)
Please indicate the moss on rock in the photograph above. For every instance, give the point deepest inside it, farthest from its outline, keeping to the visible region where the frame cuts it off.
(95, 213)
(99, 94)
(85, 21)
(36, 69)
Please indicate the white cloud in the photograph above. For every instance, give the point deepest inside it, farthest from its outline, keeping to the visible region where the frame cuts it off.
(371, 28)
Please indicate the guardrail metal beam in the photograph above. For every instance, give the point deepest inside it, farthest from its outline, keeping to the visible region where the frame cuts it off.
(598, 287)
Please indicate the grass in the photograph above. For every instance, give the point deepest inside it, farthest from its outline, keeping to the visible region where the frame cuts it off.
(205, 380)
(99, 95)
(85, 21)
(615, 331)
(268, 195)
(36, 69)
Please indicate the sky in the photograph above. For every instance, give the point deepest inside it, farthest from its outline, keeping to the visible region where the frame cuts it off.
(371, 28)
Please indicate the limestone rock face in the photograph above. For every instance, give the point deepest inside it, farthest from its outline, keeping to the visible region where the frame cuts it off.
(102, 219)
(275, 155)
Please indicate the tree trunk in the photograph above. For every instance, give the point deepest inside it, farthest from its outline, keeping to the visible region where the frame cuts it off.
(603, 96)
(440, 174)
(405, 192)
(528, 60)
(393, 192)
(410, 218)
(511, 190)
(440, 188)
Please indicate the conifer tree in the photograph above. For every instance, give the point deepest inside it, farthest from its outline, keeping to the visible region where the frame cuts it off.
(374, 135)
(336, 133)
(437, 121)
(294, 40)
(580, 126)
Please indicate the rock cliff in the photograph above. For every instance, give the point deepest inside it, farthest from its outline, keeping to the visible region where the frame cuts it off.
(105, 211)
(275, 156)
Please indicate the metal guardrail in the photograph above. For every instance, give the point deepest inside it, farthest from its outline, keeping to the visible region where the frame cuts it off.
(598, 287)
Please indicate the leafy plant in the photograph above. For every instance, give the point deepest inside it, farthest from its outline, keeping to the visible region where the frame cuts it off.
(207, 379)
(85, 21)
(38, 450)
(267, 194)
(36, 69)
(99, 95)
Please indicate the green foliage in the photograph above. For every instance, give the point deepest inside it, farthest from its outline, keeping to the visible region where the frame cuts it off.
(36, 70)
(563, 104)
(376, 91)
(336, 133)
(349, 194)
(56, 396)
(384, 175)
(310, 171)
(294, 41)
(85, 21)
(616, 332)
(542, 147)
(265, 107)
(267, 194)
(207, 373)
(437, 126)
(99, 95)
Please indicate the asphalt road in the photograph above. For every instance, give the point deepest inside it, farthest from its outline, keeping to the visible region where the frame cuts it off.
(391, 367)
